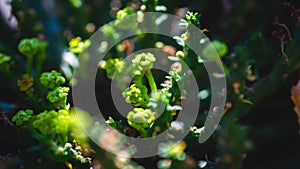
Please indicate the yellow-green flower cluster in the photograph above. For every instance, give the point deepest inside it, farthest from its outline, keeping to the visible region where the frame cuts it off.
(77, 45)
(113, 65)
(30, 47)
(58, 96)
(22, 117)
(25, 82)
(52, 122)
(143, 62)
(136, 95)
(52, 79)
(124, 21)
(140, 118)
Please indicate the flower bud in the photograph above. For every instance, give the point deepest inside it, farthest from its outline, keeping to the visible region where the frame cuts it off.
(52, 79)
(180, 54)
(144, 61)
(176, 66)
(25, 82)
(22, 116)
(136, 95)
(140, 118)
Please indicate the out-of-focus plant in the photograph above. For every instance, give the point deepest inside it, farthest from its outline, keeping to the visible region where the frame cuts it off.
(52, 126)
(34, 50)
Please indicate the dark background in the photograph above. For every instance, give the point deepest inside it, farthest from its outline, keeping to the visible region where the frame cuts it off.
(272, 123)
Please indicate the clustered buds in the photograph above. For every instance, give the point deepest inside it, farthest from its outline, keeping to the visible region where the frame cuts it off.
(58, 96)
(140, 118)
(143, 62)
(136, 95)
(123, 21)
(112, 65)
(25, 82)
(52, 79)
(68, 149)
(22, 117)
(192, 18)
(30, 47)
(77, 45)
(46, 122)
(51, 122)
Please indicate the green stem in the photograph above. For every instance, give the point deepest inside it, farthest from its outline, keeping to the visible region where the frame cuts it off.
(151, 81)
(29, 64)
(138, 80)
(40, 60)
(143, 132)
(10, 75)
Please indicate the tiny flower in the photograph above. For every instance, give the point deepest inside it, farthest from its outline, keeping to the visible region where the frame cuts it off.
(79, 157)
(60, 150)
(78, 148)
(22, 116)
(192, 17)
(228, 105)
(197, 131)
(101, 64)
(180, 54)
(159, 45)
(176, 66)
(77, 45)
(25, 82)
(74, 42)
(68, 145)
(143, 8)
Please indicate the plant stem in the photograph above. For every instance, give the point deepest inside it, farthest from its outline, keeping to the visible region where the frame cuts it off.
(40, 60)
(10, 75)
(29, 64)
(151, 81)
(143, 132)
